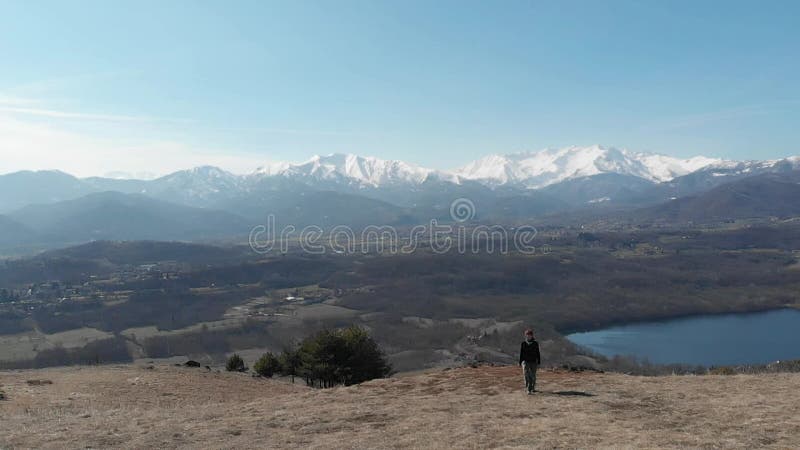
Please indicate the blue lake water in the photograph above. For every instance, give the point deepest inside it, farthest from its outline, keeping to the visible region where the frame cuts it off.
(728, 339)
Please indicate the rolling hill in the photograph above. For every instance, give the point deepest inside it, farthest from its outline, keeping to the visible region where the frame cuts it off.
(116, 216)
(144, 252)
(20, 189)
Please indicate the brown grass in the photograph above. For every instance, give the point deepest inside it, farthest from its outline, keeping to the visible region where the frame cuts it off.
(136, 407)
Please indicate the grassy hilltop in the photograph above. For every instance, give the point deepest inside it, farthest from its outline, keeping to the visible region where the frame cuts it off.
(168, 407)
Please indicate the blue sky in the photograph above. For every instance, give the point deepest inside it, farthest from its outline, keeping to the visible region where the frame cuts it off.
(95, 87)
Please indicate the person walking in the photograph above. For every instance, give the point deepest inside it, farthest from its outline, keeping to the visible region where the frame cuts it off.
(529, 359)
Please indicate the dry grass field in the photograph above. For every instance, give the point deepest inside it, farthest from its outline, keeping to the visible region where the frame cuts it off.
(170, 407)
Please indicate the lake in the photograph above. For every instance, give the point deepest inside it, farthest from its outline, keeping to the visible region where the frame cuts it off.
(727, 339)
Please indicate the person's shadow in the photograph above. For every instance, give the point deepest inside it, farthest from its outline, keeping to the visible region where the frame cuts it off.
(571, 393)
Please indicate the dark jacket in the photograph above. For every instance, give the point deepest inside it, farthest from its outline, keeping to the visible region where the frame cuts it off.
(530, 352)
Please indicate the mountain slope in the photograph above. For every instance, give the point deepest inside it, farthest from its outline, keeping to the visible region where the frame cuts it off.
(115, 216)
(47, 186)
(125, 186)
(200, 186)
(604, 188)
(718, 174)
(311, 207)
(14, 234)
(761, 196)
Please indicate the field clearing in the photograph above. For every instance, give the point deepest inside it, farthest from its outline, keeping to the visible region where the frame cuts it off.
(151, 331)
(322, 311)
(169, 407)
(22, 346)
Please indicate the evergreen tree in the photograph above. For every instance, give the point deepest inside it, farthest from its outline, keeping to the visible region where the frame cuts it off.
(267, 365)
(235, 364)
(290, 363)
(347, 356)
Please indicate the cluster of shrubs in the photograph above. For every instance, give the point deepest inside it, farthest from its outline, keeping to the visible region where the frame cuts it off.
(630, 365)
(329, 358)
(634, 366)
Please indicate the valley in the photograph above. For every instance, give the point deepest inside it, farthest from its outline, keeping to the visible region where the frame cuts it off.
(126, 301)
(135, 270)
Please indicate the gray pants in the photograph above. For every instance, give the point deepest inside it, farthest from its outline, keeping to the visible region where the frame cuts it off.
(529, 370)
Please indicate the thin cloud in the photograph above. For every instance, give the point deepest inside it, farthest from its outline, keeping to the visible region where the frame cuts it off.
(297, 131)
(46, 87)
(51, 113)
(14, 101)
(701, 119)
(20, 106)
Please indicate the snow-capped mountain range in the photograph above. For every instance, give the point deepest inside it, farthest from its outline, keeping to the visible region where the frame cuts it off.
(625, 176)
(582, 174)
(539, 169)
(354, 169)
(530, 170)
(52, 207)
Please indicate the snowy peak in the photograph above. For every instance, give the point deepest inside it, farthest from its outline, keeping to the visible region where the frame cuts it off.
(271, 169)
(535, 170)
(200, 183)
(665, 168)
(203, 175)
(525, 170)
(353, 169)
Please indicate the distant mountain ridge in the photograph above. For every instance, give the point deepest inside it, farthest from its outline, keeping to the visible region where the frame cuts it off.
(535, 168)
(399, 181)
(52, 207)
(760, 196)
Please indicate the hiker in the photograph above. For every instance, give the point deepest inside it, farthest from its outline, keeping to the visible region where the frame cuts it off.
(529, 359)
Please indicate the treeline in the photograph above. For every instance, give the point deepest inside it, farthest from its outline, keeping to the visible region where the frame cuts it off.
(790, 366)
(19, 272)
